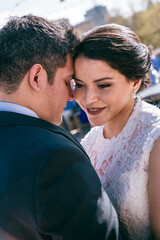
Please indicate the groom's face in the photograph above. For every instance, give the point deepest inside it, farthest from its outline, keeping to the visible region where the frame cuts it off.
(59, 92)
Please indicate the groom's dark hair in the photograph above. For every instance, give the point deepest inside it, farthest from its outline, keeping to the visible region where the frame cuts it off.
(27, 40)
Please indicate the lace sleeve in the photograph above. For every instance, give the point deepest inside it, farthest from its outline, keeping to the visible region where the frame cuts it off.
(153, 124)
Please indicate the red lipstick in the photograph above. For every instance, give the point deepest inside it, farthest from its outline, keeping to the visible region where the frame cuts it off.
(94, 111)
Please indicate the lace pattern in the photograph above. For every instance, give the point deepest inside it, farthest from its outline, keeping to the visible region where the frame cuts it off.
(122, 166)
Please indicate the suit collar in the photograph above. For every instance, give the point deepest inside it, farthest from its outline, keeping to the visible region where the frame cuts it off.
(15, 119)
(12, 107)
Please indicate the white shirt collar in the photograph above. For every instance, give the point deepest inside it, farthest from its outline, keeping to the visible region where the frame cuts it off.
(12, 107)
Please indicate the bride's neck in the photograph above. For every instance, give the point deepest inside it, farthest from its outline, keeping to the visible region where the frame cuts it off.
(110, 130)
(113, 127)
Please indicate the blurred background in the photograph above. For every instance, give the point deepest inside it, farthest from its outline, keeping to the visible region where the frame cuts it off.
(142, 16)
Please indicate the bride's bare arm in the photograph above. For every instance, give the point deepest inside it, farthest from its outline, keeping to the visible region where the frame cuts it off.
(154, 189)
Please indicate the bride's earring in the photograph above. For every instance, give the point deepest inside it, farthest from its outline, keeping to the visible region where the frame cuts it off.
(134, 94)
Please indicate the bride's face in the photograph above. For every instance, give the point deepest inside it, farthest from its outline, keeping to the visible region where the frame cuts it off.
(102, 91)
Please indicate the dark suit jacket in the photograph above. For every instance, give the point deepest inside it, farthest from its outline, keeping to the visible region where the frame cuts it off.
(48, 188)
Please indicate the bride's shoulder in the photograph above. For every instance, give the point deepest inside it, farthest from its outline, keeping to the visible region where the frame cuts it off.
(149, 108)
(147, 112)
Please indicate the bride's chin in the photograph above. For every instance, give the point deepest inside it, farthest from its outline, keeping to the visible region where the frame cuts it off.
(96, 123)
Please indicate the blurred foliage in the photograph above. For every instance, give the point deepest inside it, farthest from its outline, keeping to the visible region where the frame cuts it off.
(145, 23)
(83, 27)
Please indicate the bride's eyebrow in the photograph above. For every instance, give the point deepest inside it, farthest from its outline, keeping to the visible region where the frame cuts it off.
(101, 79)
(97, 80)
(77, 79)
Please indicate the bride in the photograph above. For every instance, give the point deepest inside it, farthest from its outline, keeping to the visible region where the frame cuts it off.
(111, 66)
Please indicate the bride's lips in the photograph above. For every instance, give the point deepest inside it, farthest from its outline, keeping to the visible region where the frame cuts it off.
(94, 111)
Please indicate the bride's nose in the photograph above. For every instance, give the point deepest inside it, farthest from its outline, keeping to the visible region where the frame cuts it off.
(90, 96)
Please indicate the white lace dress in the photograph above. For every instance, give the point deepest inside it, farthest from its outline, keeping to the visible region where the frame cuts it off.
(122, 166)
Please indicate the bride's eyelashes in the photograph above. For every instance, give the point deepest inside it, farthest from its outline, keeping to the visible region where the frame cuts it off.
(104, 85)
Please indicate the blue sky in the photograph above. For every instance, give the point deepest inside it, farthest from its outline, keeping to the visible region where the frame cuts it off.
(74, 10)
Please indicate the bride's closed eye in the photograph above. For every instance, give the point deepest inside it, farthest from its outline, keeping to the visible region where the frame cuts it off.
(106, 85)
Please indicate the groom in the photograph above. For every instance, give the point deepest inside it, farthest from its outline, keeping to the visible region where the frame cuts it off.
(48, 188)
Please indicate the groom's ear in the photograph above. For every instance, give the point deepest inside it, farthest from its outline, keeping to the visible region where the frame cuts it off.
(37, 77)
